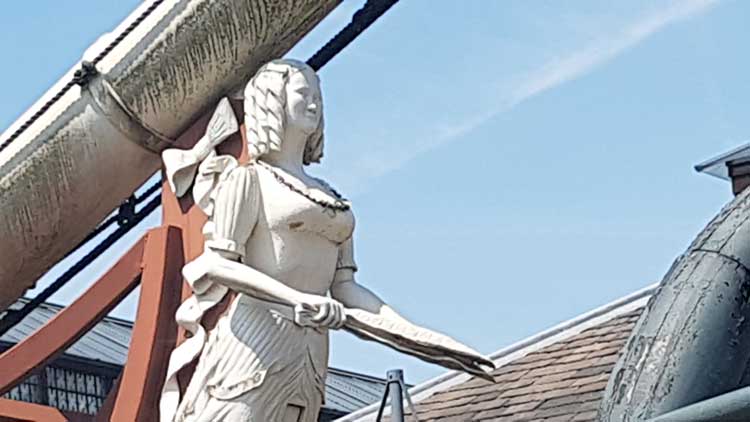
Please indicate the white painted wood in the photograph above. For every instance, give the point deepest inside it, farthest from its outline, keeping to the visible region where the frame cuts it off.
(281, 240)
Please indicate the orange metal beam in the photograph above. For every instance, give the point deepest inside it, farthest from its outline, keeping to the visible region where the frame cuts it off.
(15, 411)
(161, 254)
(73, 322)
(105, 412)
(155, 330)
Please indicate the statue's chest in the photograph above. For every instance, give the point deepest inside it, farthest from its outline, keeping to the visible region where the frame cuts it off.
(286, 211)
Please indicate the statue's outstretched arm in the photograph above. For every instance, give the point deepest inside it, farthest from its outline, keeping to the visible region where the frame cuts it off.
(368, 317)
(351, 294)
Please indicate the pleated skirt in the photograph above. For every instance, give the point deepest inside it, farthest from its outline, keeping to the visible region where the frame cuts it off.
(258, 366)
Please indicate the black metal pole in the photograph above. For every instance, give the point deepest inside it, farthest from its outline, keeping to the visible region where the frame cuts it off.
(395, 381)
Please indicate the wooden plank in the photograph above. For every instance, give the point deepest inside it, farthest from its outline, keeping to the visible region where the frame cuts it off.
(72, 322)
(155, 330)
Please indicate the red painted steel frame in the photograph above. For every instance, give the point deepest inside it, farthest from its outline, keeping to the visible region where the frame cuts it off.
(157, 258)
(72, 322)
(13, 410)
(155, 329)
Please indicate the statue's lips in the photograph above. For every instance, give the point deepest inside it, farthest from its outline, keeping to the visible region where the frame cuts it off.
(313, 116)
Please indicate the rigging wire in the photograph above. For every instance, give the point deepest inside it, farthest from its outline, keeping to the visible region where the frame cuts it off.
(126, 217)
(13, 317)
(361, 20)
(117, 218)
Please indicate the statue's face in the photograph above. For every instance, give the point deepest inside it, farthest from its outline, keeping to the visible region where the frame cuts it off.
(303, 101)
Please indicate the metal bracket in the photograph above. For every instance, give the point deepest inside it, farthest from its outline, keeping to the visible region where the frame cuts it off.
(126, 212)
(395, 377)
(108, 103)
(85, 73)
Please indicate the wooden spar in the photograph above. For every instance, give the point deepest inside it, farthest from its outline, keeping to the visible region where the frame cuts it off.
(105, 137)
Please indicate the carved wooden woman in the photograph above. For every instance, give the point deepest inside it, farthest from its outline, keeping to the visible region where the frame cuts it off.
(277, 237)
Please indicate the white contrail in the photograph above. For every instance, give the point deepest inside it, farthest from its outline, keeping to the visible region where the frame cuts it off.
(572, 66)
(547, 76)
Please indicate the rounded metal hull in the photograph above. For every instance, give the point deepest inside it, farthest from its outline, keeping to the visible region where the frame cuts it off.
(692, 341)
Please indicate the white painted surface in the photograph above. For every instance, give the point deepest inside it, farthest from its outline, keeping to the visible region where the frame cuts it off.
(290, 249)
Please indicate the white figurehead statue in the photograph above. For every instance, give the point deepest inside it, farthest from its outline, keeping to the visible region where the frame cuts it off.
(282, 241)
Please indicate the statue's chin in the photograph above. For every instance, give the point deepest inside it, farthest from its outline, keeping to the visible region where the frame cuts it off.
(307, 124)
(308, 129)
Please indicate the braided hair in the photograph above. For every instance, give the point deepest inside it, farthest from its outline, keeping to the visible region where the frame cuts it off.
(265, 110)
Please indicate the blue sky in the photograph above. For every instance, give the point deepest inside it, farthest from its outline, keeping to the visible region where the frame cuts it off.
(512, 164)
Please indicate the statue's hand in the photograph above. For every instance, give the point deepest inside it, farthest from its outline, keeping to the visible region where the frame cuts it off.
(320, 311)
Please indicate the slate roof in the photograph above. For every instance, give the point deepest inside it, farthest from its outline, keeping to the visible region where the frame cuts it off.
(562, 382)
(557, 376)
(108, 343)
(348, 391)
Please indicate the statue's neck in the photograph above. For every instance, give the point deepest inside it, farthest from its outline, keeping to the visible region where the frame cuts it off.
(290, 156)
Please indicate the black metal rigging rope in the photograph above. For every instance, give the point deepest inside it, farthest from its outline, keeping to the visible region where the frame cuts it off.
(361, 20)
(125, 212)
(13, 317)
(126, 217)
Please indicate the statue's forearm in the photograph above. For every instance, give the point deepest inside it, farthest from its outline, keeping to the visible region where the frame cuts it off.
(241, 278)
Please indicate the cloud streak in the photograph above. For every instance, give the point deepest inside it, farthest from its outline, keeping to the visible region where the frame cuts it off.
(549, 75)
(578, 63)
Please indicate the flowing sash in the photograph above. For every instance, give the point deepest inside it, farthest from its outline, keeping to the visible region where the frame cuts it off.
(202, 168)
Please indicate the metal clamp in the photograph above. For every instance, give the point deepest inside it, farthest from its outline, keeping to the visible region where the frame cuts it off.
(108, 103)
(85, 73)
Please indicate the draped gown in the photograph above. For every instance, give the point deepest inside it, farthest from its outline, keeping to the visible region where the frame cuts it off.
(257, 365)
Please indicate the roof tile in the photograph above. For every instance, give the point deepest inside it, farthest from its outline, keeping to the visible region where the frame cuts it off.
(562, 382)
